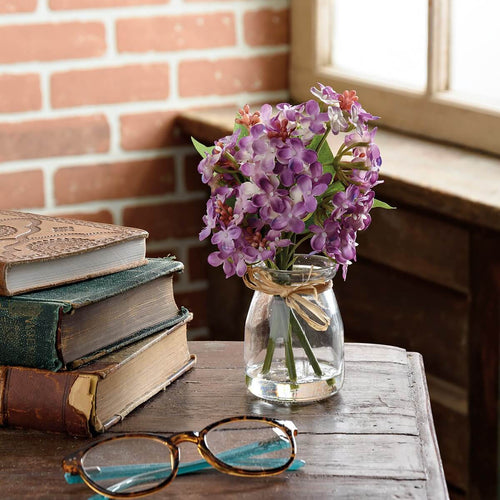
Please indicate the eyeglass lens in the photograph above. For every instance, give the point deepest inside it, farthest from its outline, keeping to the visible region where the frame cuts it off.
(250, 445)
(138, 464)
(128, 464)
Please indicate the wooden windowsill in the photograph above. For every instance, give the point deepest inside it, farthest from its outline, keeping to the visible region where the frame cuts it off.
(455, 182)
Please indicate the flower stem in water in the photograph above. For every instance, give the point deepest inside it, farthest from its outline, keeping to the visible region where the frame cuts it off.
(289, 358)
(266, 366)
(304, 341)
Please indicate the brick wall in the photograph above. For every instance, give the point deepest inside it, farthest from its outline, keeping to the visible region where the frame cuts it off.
(89, 92)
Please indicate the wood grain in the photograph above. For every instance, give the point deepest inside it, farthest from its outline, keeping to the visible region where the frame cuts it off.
(374, 439)
(419, 244)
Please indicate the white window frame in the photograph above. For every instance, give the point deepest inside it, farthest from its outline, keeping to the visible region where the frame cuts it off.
(435, 113)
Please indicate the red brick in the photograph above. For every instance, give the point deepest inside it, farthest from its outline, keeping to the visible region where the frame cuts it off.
(49, 42)
(101, 216)
(114, 180)
(197, 303)
(168, 220)
(150, 130)
(55, 137)
(22, 189)
(197, 263)
(110, 85)
(199, 31)
(192, 178)
(11, 6)
(96, 4)
(266, 27)
(230, 76)
(20, 93)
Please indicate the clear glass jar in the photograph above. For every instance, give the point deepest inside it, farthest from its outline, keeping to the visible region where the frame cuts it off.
(289, 357)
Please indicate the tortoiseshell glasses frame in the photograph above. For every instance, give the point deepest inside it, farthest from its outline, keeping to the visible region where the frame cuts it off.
(284, 439)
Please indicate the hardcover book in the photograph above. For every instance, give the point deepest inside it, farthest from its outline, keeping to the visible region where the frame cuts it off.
(66, 326)
(97, 395)
(39, 251)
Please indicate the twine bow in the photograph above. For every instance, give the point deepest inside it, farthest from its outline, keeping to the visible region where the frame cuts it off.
(259, 279)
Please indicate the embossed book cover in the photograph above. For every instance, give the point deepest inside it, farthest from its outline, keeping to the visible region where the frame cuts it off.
(39, 251)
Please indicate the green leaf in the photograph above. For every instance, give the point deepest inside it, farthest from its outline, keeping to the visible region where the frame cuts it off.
(201, 148)
(325, 154)
(332, 189)
(314, 143)
(382, 204)
(243, 130)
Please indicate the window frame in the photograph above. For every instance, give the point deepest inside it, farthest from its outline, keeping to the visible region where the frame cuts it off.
(435, 113)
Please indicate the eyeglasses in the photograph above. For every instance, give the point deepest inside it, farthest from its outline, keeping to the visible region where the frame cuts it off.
(134, 465)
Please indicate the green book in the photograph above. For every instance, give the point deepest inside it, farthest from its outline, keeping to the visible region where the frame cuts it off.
(67, 326)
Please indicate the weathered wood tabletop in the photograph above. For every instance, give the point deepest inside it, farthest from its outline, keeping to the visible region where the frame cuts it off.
(375, 439)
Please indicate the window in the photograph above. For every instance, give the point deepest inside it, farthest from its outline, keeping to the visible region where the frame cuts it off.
(426, 67)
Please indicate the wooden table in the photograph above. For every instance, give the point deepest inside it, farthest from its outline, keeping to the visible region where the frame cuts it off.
(375, 439)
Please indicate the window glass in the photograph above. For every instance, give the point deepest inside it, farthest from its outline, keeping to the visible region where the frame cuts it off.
(475, 50)
(383, 41)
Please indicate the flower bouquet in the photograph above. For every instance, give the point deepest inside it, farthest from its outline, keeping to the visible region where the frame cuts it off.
(279, 192)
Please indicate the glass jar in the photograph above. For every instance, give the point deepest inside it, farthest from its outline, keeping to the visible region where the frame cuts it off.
(294, 335)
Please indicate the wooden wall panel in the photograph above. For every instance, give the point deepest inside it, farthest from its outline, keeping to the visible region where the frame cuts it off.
(419, 244)
(381, 305)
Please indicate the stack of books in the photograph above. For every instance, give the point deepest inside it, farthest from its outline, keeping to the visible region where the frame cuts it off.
(89, 328)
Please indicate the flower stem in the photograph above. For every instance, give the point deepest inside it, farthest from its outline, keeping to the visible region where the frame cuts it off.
(289, 358)
(266, 366)
(305, 345)
(323, 138)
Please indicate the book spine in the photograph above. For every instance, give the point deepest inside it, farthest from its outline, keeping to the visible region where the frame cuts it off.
(47, 401)
(29, 334)
(3, 279)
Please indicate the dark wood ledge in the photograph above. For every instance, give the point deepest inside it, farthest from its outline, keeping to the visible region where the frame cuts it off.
(455, 182)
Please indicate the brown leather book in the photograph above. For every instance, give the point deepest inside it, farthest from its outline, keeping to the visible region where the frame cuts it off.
(39, 251)
(98, 395)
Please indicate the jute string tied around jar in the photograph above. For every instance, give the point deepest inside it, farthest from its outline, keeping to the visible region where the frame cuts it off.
(293, 295)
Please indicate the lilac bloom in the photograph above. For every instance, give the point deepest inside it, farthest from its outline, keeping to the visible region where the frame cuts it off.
(320, 180)
(359, 117)
(210, 220)
(224, 238)
(325, 94)
(232, 265)
(276, 241)
(257, 152)
(288, 220)
(329, 232)
(311, 122)
(296, 158)
(303, 195)
(207, 165)
(244, 204)
(337, 121)
(269, 200)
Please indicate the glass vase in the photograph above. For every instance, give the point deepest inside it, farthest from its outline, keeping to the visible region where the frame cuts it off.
(294, 335)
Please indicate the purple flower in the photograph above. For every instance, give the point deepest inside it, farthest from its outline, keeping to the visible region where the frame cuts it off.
(310, 122)
(289, 219)
(326, 94)
(266, 185)
(224, 238)
(303, 195)
(359, 117)
(234, 264)
(206, 166)
(295, 158)
(337, 121)
(210, 220)
(329, 232)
